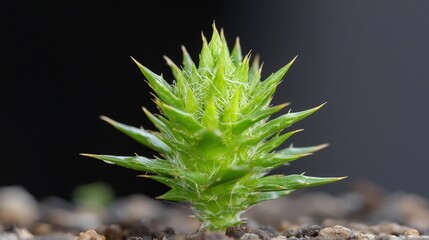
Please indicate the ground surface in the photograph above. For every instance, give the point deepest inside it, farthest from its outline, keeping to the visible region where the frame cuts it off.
(366, 212)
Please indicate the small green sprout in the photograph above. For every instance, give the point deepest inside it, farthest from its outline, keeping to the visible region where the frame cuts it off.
(216, 141)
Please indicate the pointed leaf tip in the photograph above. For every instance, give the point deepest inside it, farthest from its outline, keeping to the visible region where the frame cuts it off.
(140, 135)
(293, 60)
(135, 61)
(88, 155)
(108, 120)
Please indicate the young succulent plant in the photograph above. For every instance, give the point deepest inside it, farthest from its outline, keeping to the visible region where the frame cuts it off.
(216, 141)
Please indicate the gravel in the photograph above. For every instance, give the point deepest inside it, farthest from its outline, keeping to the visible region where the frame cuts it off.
(366, 212)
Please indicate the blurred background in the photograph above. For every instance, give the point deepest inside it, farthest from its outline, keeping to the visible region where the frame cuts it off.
(65, 63)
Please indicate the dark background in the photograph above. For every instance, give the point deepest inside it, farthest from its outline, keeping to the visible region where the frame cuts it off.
(65, 63)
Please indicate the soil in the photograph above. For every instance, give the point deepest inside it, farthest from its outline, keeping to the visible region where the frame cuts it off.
(364, 212)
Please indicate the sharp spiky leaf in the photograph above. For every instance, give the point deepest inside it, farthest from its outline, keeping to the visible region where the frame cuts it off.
(181, 82)
(276, 141)
(157, 122)
(255, 117)
(142, 136)
(168, 181)
(184, 118)
(276, 125)
(254, 74)
(139, 163)
(296, 181)
(160, 86)
(236, 54)
(188, 64)
(291, 150)
(229, 174)
(258, 197)
(177, 195)
(207, 61)
(274, 160)
(232, 110)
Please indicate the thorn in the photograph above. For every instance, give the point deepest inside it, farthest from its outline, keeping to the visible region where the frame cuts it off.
(283, 105)
(204, 38)
(108, 120)
(237, 41)
(322, 146)
(88, 155)
(293, 60)
(144, 175)
(168, 60)
(135, 60)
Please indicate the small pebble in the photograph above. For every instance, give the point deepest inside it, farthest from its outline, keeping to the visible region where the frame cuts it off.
(310, 230)
(41, 229)
(279, 238)
(412, 233)
(384, 236)
(17, 206)
(91, 235)
(169, 231)
(56, 236)
(335, 232)
(158, 235)
(391, 228)
(249, 236)
(138, 229)
(113, 232)
(20, 233)
(359, 236)
(269, 230)
(238, 232)
(292, 231)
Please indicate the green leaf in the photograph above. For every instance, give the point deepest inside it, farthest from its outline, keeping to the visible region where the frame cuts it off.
(241, 73)
(176, 194)
(210, 143)
(254, 74)
(219, 87)
(257, 197)
(232, 110)
(236, 54)
(245, 123)
(280, 182)
(276, 125)
(275, 142)
(269, 85)
(191, 101)
(210, 118)
(138, 163)
(188, 64)
(207, 62)
(157, 122)
(170, 182)
(160, 86)
(140, 135)
(291, 150)
(224, 56)
(262, 94)
(228, 174)
(185, 119)
(181, 82)
(274, 160)
(215, 43)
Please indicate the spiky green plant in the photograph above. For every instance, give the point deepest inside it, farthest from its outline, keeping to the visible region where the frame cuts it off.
(216, 141)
